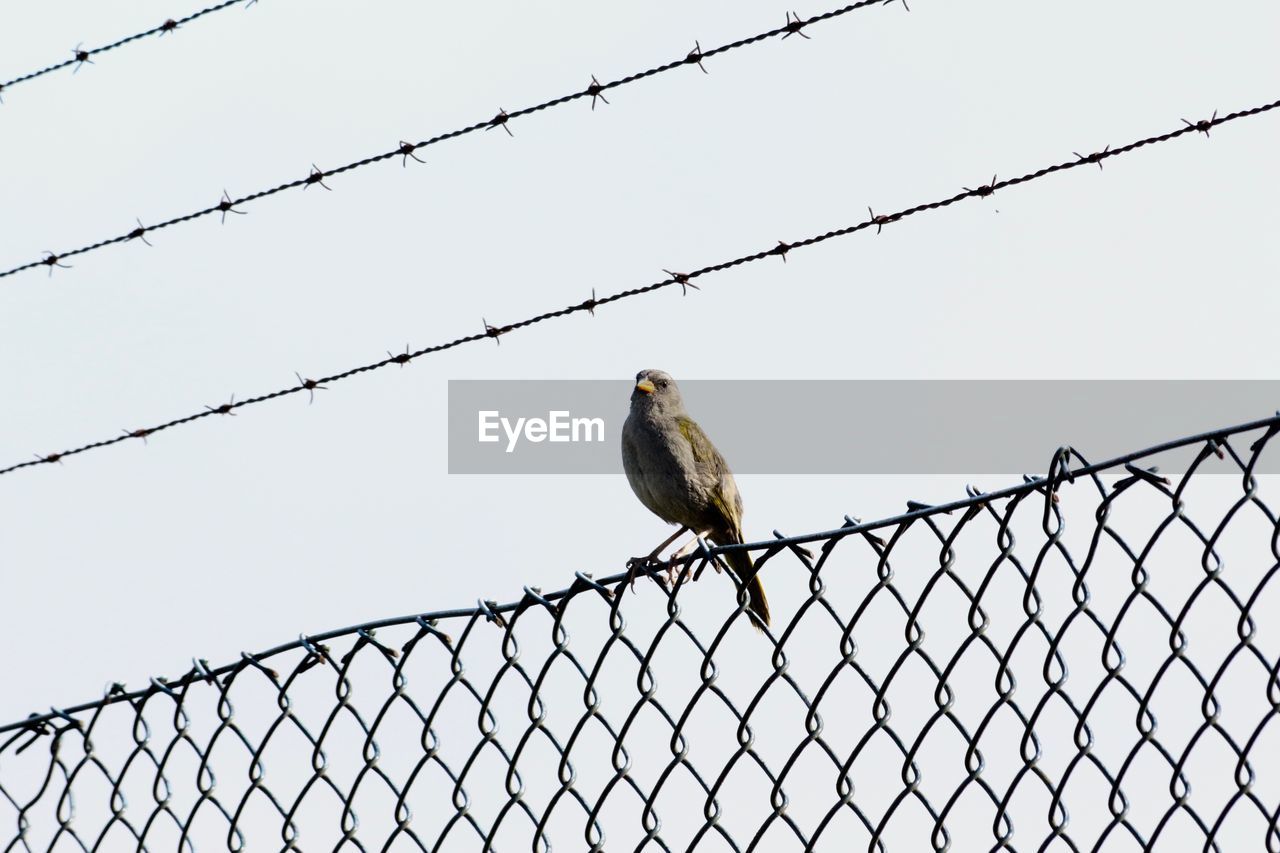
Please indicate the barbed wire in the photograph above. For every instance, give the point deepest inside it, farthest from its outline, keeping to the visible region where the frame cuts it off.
(1009, 708)
(80, 56)
(684, 280)
(794, 25)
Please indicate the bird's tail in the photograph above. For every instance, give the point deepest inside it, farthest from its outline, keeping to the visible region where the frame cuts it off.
(740, 563)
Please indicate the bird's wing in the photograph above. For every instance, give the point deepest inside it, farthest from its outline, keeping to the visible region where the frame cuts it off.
(725, 496)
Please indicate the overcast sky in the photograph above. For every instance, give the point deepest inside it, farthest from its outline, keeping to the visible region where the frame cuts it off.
(238, 533)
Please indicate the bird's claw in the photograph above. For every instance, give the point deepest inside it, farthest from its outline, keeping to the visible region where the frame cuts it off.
(672, 579)
(677, 572)
(636, 565)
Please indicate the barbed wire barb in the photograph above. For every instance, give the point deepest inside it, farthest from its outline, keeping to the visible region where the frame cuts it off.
(878, 221)
(493, 332)
(139, 233)
(81, 58)
(225, 408)
(500, 120)
(1204, 125)
(683, 279)
(51, 260)
(138, 433)
(316, 177)
(984, 190)
(596, 91)
(794, 27)
(311, 386)
(225, 206)
(1096, 157)
(407, 149)
(695, 56)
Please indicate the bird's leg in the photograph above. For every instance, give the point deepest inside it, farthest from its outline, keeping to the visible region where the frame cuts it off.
(653, 555)
(635, 563)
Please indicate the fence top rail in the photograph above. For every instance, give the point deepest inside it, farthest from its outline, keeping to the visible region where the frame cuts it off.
(1058, 473)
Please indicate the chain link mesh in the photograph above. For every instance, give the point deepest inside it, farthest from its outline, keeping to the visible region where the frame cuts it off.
(1082, 661)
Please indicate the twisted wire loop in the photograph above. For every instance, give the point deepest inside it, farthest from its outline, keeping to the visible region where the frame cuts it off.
(683, 279)
(1080, 661)
(405, 150)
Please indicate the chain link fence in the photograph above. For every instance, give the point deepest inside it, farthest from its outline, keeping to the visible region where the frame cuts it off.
(1081, 661)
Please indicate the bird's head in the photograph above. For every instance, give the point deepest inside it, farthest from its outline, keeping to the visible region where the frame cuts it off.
(655, 390)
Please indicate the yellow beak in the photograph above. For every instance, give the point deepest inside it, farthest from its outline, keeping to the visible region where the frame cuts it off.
(646, 386)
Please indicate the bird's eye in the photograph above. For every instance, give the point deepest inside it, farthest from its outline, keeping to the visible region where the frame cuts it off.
(662, 383)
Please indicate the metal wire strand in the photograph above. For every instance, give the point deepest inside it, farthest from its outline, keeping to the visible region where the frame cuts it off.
(683, 280)
(924, 688)
(80, 55)
(595, 91)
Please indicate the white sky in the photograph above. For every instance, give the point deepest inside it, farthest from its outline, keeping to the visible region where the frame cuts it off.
(238, 533)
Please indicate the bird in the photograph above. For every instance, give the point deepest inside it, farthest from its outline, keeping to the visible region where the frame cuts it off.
(679, 476)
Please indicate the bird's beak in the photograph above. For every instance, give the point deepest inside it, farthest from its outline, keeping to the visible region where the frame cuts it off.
(646, 386)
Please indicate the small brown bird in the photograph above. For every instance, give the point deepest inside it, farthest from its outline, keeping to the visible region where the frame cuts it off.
(679, 475)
